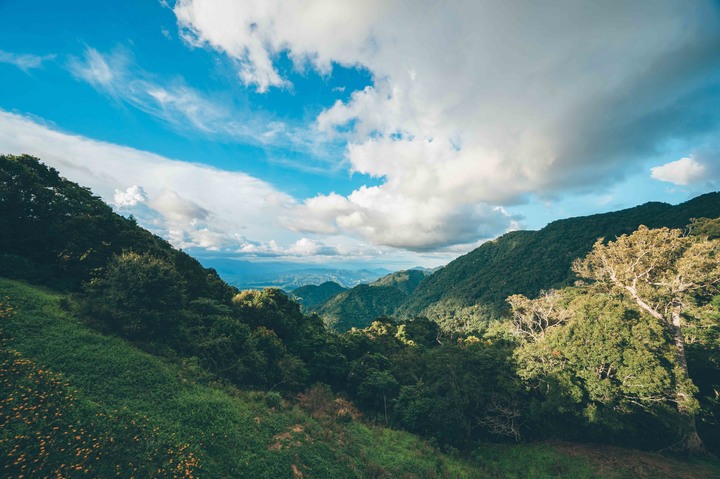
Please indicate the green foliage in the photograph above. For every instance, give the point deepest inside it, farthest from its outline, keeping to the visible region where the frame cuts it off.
(706, 227)
(138, 295)
(230, 433)
(53, 231)
(664, 273)
(606, 370)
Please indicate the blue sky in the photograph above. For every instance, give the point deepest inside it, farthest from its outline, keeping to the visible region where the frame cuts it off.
(363, 133)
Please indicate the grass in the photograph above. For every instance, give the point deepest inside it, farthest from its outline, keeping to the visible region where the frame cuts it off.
(144, 417)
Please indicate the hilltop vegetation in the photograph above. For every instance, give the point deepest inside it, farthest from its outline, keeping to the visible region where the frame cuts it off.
(472, 290)
(406, 281)
(168, 364)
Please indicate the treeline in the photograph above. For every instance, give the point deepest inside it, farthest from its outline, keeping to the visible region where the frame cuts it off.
(630, 356)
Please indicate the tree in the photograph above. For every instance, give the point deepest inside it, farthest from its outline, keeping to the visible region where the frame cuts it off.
(664, 272)
(532, 318)
(138, 294)
(603, 372)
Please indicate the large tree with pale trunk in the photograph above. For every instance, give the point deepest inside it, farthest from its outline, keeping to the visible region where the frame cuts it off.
(665, 272)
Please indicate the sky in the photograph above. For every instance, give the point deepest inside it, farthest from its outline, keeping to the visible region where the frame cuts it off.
(364, 133)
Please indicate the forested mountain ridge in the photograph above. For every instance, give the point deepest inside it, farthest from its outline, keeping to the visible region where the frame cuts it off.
(476, 285)
(406, 281)
(358, 306)
(313, 295)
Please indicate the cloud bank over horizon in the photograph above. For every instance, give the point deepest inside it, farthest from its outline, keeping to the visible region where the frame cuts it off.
(484, 106)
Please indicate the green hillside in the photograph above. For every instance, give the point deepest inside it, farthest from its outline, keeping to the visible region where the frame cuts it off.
(53, 231)
(312, 295)
(87, 405)
(138, 408)
(357, 307)
(406, 281)
(475, 286)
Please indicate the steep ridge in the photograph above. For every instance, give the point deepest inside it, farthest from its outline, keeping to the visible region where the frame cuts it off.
(357, 307)
(475, 286)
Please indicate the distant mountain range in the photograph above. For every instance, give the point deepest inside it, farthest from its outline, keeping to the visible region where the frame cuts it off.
(287, 276)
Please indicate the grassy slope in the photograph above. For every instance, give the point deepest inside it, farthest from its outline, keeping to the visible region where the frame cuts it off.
(236, 434)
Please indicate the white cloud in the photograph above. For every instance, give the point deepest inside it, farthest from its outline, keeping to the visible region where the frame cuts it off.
(191, 204)
(116, 75)
(482, 106)
(97, 70)
(302, 248)
(681, 172)
(132, 196)
(25, 61)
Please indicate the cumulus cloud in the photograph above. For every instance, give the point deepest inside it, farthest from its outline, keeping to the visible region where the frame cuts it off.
(302, 248)
(25, 61)
(681, 172)
(190, 205)
(132, 196)
(482, 106)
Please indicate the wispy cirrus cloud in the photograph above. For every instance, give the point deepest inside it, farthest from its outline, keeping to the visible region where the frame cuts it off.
(25, 61)
(178, 104)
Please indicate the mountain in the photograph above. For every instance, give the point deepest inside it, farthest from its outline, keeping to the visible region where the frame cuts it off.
(475, 286)
(357, 307)
(406, 281)
(313, 295)
(139, 362)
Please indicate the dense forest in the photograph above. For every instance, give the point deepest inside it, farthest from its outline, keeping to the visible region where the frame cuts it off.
(626, 355)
